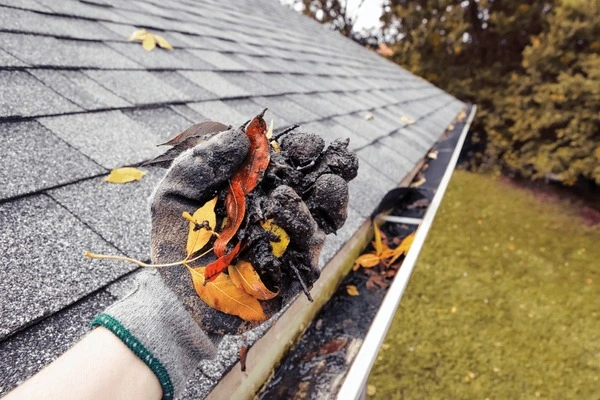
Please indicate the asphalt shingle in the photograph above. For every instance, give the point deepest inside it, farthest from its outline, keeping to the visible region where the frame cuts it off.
(218, 110)
(368, 188)
(79, 89)
(111, 139)
(138, 87)
(216, 83)
(52, 52)
(118, 213)
(43, 269)
(163, 122)
(159, 58)
(32, 159)
(21, 95)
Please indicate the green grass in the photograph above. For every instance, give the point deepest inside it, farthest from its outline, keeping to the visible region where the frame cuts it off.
(504, 302)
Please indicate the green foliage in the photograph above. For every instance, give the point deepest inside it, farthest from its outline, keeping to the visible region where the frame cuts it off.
(502, 304)
(532, 67)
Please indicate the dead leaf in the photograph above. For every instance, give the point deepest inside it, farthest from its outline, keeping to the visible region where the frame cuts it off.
(407, 120)
(124, 175)
(162, 42)
(403, 247)
(243, 356)
(334, 345)
(138, 35)
(199, 235)
(376, 280)
(378, 241)
(149, 43)
(352, 290)
(419, 180)
(279, 247)
(244, 276)
(200, 129)
(222, 294)
(433, 154)
(369, 116)
(275, 146)
(368, 260)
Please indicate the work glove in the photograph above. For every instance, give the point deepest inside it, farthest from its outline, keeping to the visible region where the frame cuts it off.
(163, 321)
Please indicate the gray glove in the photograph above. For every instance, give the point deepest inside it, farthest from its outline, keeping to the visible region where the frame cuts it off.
(154, 321)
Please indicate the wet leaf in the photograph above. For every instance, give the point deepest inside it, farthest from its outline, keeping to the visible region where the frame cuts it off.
(403, 247)
(352, 290)
(149, 43)
(244, 276)
(243, 356)
(124, 175)
(222, 294)
(368, 260)
(162, 42)
(334, 345)
(199, 235)
(284, 239)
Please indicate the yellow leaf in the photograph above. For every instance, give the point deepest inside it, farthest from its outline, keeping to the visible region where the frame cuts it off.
(162, 42)
(138, 35)
(245, 277)
(275, 146)
(403, 247)
(149, 43)
(352, 290)
(284, 239)
(124, 175)
(368, 260)
(269, 133)
(197, 238)
(407, 120)
(222, 294)
(378, 242)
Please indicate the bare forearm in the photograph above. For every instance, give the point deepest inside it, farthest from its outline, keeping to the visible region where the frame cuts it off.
(100, 366)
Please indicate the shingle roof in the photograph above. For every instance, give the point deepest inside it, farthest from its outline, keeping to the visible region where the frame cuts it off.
(77, 99)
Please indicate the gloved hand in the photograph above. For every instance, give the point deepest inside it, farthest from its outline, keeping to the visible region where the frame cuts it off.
(164, 321)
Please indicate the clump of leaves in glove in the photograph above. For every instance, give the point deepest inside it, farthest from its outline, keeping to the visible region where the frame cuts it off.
(247, 215)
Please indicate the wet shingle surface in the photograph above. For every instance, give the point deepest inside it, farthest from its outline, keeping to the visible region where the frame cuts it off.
(77, 99)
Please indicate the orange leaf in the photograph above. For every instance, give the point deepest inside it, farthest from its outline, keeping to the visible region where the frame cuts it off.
(403, 247)
(378, 242)
(368, 260)
(222, 294)
(197, 238)
(245, 277)
(352, 290)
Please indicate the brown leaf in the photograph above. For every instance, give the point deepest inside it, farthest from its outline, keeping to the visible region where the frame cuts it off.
(375, 281)
(222, 294)
(243, 355)
(245, 277)
(333, 346)
(352, 290)
(199, 129)
(124, 175)
(199, 235)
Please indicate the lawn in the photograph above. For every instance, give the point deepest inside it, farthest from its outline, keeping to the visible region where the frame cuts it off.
(504, 302)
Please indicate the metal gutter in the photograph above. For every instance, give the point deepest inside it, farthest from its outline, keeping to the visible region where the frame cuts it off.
(355, 382)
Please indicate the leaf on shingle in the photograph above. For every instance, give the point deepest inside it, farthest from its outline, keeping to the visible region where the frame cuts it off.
(162, 42)
(199, 235)
(149, 43)
(138, 35)
(124, 175)
(244, 276)
(407, 120)
(223, 295)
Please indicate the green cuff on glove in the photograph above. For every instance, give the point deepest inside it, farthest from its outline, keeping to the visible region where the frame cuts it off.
(139, 350)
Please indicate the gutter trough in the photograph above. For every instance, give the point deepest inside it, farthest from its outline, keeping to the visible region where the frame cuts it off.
(333, 349)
